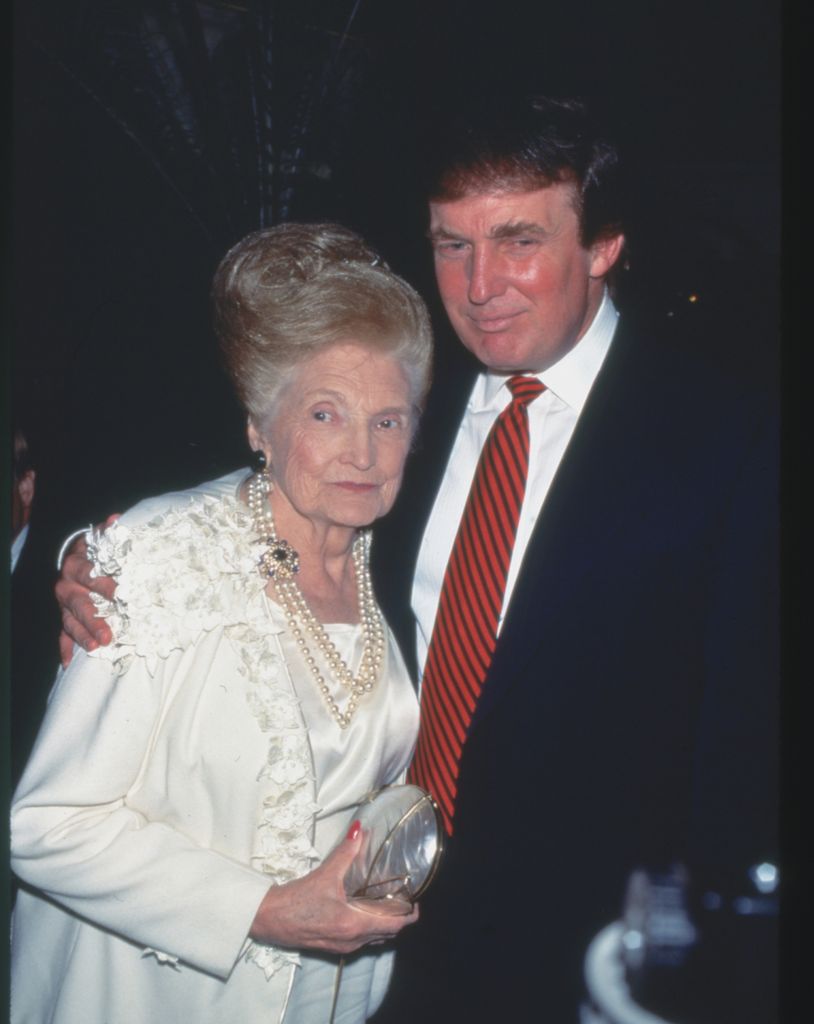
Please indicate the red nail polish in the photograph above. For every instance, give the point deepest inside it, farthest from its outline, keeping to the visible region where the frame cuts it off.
(354, 829)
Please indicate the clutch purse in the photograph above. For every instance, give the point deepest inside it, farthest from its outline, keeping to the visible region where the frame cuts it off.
(402, 841)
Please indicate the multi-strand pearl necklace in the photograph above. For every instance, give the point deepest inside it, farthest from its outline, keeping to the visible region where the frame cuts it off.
(280, 563)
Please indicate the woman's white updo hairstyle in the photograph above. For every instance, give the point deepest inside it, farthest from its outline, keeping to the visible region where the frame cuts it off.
(284, 293)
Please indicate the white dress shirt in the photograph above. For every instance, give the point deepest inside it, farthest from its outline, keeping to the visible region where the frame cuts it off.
(552, 419)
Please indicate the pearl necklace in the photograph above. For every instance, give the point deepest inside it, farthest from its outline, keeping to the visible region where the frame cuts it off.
(280, 563)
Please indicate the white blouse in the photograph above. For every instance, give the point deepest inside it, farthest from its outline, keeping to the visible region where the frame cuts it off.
(178, 773)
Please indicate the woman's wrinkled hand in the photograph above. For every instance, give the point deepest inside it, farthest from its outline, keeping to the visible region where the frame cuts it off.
(314, 913)
(79, 620)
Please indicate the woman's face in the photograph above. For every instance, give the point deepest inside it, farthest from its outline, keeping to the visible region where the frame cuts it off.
(338, 438)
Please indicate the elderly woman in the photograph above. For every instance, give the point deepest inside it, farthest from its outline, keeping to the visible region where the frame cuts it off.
(187, 812)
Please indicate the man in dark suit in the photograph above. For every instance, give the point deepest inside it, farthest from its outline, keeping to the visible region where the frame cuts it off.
(622, 714)
(626, 717)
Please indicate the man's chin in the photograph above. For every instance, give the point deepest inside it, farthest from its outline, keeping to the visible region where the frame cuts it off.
(501, 353)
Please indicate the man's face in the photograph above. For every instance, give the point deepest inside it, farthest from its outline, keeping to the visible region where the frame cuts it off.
(517, 284)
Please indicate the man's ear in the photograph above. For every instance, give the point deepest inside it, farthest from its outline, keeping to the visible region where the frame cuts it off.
(604, 253)
(25, 488)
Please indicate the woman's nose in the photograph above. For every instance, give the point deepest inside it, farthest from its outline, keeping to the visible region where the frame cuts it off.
(359, 447)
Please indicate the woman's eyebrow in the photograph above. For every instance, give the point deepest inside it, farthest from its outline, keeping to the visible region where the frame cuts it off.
(319, 392)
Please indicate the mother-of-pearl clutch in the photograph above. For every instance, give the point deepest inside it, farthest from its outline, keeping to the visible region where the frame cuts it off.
(402, 840)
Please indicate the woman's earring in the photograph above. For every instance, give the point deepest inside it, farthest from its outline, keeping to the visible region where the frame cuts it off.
(258, 461)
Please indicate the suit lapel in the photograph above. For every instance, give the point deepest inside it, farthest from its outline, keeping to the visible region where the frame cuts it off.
(597, 487)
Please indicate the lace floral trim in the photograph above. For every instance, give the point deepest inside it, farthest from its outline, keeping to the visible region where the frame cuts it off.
(182, 574)
(285, 848)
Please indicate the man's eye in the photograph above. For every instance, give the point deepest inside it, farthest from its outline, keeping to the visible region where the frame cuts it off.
(390, 423)
(450, 248)
(322, 415)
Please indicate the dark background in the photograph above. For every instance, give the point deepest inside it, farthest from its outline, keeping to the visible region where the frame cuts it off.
(149, 136)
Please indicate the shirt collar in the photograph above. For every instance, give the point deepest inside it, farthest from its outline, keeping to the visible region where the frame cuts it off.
(571, 377)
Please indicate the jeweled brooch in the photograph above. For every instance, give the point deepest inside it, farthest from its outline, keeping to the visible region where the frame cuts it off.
(279, 561)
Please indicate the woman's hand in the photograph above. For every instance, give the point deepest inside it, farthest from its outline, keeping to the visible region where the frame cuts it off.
(79, 620)
(314, 913)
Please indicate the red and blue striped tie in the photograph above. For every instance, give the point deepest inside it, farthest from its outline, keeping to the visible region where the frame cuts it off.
(465, 631)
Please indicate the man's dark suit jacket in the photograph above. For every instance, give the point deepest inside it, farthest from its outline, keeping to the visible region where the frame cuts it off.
(628, 718)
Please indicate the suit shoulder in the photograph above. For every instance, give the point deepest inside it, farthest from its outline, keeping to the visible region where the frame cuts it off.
(695, 357)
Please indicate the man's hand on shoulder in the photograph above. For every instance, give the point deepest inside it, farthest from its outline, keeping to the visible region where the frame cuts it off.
(79, 620)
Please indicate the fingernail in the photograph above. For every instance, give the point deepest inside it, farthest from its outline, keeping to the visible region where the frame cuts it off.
(354, 829)
(91, 645)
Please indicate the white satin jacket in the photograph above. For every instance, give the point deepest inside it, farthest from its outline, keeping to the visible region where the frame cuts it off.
(178, 774)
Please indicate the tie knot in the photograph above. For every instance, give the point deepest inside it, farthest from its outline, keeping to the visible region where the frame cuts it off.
(525, 389)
